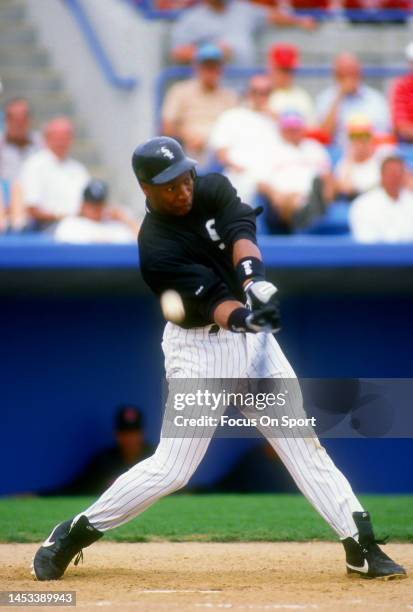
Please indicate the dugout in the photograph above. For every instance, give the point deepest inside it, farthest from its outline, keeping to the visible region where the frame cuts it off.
(81, 334)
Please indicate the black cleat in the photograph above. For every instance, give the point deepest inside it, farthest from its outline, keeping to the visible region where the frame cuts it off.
(365, 557)
(65, 541)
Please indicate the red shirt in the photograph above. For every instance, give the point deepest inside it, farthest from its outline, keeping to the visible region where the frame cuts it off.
(401, 100)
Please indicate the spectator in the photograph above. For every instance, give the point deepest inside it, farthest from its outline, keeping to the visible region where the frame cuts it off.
(283, 60)
(229, 24)
(15, 210)
(18, 141)
(359, 170)
(299, 4)
(348, 96)
(3, 215)
(240, 149)
(97, 221)
(52, 182)
(297, 180)
(103, 469)
(385, 214)
(401, 102)
(192, 107)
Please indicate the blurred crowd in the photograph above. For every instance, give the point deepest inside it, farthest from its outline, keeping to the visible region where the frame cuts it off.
(343, 155)
(42, 188)
(359, 11)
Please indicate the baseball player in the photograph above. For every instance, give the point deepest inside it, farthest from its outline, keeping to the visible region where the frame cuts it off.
(199, 239)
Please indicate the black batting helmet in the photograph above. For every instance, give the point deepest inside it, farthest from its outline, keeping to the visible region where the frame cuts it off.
(160, 160)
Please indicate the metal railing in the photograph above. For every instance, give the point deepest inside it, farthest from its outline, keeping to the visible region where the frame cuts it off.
(97, 49)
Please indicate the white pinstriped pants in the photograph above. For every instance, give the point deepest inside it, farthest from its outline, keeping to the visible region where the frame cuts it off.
(197, 353)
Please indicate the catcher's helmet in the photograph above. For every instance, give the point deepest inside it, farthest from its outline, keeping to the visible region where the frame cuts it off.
(160, 160)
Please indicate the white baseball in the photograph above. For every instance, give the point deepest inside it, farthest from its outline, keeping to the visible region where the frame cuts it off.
(172, 306)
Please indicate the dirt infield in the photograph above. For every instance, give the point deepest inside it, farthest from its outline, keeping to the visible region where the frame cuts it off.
(197, 576)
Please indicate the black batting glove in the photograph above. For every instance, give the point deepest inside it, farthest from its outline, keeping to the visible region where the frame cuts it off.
(264, 319)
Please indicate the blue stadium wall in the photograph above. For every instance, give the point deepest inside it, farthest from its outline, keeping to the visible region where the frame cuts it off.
(69, 359)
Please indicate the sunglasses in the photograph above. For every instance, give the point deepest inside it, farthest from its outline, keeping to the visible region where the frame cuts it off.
(260, 92)
(360, 136)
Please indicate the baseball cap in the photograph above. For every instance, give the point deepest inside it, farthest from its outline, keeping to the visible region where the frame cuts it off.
(160, 160)
(209, 52)
(95, 191)
(283, 56)
(409, 52)
(359, 124)
(128, 418)
(291, 119)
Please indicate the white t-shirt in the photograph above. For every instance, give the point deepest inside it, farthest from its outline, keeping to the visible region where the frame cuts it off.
(244, 133)
(53, 185)
(236, 25)
(362, 175)
(79, 230)
(13, 157)
(292, 169)
(296, 99)
(366, 101)
(375, 217)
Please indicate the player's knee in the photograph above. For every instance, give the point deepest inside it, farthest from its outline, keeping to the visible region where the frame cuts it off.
(179, 481)
(172, 476)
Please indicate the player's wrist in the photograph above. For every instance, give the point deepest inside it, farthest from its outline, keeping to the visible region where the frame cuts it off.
(249, 269)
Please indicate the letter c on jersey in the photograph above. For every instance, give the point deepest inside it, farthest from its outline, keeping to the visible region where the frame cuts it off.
(213, 234)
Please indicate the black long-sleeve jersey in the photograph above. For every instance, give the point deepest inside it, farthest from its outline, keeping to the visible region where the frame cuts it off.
(192, 254)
